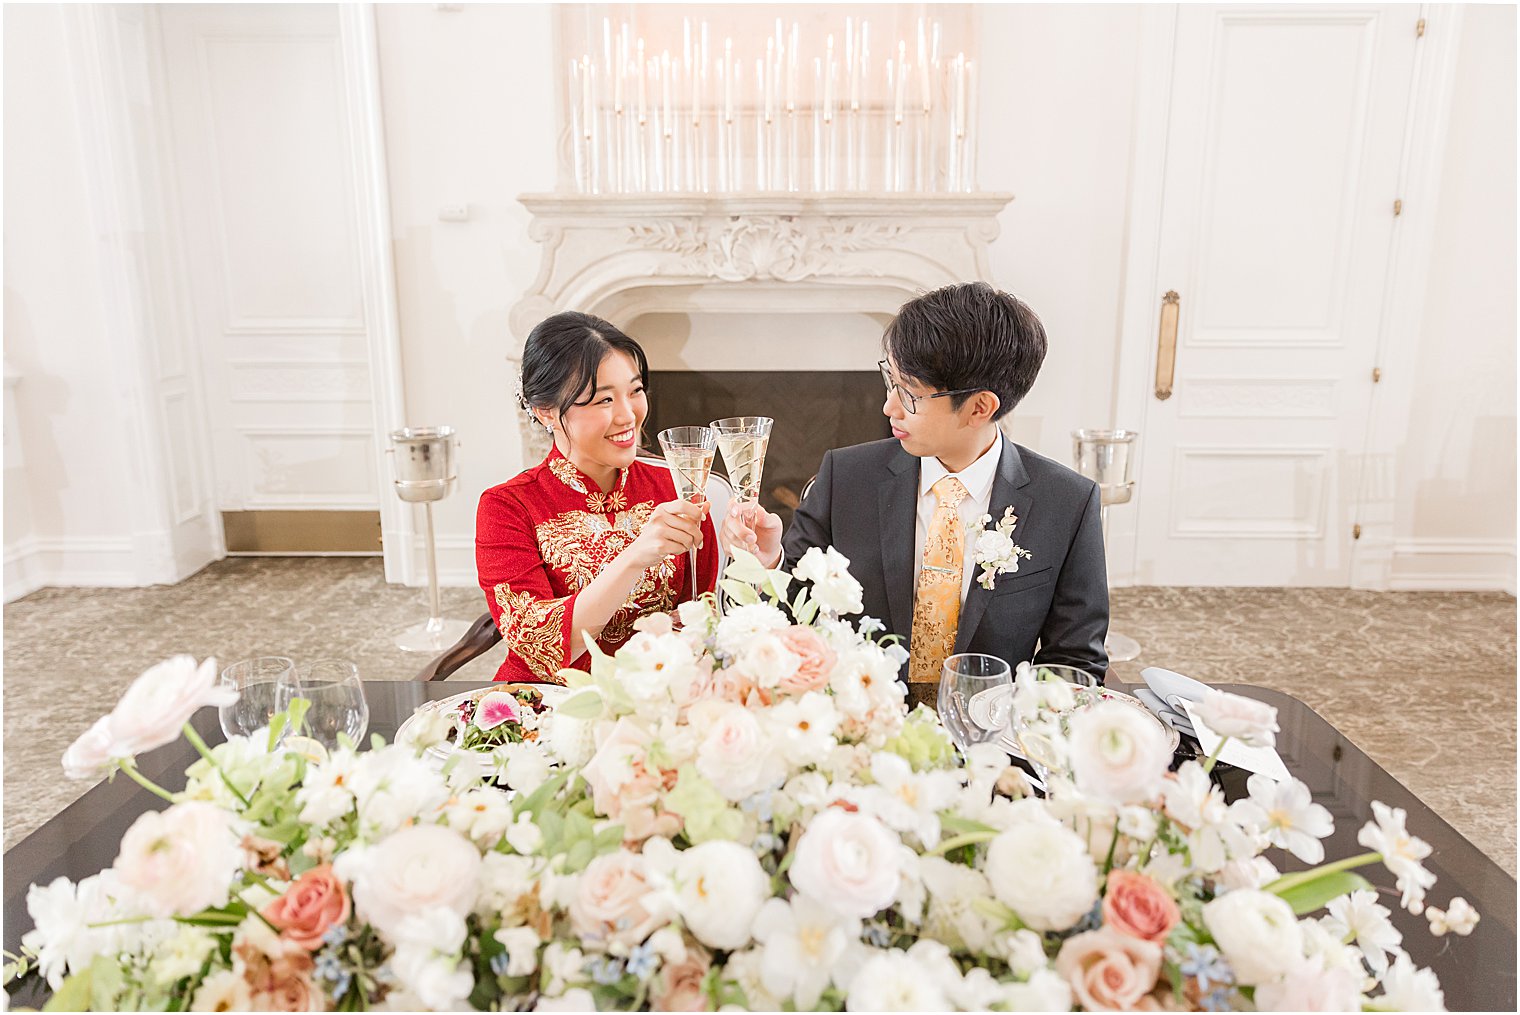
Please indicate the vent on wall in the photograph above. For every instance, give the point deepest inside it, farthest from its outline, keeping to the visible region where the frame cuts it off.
(295, 533)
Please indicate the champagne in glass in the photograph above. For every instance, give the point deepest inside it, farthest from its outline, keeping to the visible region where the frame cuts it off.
(689, 453)
(742, 440)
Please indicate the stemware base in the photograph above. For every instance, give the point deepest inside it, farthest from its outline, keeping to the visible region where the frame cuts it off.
(432, 635)
(1121, 648)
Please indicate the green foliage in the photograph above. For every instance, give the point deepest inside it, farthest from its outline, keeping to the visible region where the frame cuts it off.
(1307, 896)
(707, 814)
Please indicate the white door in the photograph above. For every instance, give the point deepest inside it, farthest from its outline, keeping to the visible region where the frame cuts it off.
(1282, 157)
(262, 152)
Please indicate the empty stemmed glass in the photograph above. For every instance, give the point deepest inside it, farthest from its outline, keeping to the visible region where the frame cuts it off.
(689, 453)
(336, 698)
(256, 682)
(971, 705)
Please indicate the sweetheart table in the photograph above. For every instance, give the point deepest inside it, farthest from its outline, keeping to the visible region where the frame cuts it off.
(1477, 972)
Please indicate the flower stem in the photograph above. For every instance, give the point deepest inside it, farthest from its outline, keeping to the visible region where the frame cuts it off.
(1208, 766)
(1287, 881)
(142, 780)
(205, 752)
(969, 839)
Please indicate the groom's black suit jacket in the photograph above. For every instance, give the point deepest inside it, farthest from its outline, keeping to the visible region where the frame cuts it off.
(865, 502)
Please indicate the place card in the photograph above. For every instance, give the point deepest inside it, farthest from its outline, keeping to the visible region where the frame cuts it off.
(1253, 759)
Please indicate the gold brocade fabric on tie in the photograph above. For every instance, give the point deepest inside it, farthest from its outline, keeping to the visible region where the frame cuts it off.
(937, 604)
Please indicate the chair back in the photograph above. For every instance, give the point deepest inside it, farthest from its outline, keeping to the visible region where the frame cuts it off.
(719, 495)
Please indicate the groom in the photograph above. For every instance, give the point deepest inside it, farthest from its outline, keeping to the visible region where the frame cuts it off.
(957, 360)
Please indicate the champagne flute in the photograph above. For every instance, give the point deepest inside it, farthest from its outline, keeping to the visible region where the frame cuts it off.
(962, 679)
(742, 441)
(256, 682)
(689, 453)
(337, 701)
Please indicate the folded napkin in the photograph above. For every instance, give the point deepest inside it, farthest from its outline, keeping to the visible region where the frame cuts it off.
(1162, 694)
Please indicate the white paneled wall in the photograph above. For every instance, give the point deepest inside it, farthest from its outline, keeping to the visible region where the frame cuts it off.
(468, 112)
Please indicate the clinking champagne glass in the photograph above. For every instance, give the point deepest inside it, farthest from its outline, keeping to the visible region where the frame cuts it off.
(689, 453)
(742, 440)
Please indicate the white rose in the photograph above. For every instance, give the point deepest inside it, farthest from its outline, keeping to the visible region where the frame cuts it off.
(766, 660)
(419, 867)
(1253, 723)
(1042, 871)
(848, 862)
(833, 587)
(735, 755)
(721, 886)
(891, 981)
(160, 702)
(1257, 932)
(993, 545)
(180, 860)
(1117, 753)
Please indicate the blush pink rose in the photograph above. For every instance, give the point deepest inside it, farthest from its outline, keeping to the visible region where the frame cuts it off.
(1137, 906)
(1110, 971)
(313, 903)
(610, 901)
(679, 985)
(816, 660)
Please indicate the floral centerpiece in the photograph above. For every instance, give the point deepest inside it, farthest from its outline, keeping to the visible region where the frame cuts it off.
(737, 813)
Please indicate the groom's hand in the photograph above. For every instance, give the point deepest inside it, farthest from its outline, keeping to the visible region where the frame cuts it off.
(751, 527)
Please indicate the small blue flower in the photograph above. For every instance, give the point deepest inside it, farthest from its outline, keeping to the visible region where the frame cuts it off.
(606, 971)
(762, 804)
(877, 935)
(499, 964)
(1217, 999)
(1204, 963)
(336, 934)
(642, 962)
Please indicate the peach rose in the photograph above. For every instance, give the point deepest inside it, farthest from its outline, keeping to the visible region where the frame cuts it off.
(610, 901)
(1109, 971)
(679, 985)
(817, 660)
(313, 903)
(1137, 906)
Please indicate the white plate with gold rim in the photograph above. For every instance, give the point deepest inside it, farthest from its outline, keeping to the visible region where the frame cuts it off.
(439, 755)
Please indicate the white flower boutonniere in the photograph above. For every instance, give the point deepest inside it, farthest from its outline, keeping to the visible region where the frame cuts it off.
(995, 549)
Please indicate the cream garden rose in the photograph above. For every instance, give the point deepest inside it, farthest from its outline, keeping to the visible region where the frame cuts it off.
(848, 862)
(420, 867)
(1118, 754)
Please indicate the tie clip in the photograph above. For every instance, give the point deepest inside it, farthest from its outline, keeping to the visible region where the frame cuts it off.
(942, 570)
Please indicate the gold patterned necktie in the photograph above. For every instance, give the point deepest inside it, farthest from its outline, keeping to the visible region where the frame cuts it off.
(937, 605)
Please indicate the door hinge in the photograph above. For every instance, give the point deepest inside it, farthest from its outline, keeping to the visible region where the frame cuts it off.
(1419, 29)
(1356, 531)
(1377, 374)
(1398, 207)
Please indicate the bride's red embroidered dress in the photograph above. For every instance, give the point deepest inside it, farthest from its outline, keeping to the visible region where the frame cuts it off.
(542, 537)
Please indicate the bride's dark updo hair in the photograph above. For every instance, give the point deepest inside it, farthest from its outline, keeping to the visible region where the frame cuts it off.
(562, 355)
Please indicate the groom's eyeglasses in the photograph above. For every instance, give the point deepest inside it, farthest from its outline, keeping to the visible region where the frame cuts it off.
(908, 399)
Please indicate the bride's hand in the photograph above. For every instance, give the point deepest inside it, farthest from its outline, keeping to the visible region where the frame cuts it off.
(674, 527)
(751, 527)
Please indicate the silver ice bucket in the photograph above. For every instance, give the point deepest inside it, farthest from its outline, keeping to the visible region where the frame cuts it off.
(1103, 456)
(424, 462)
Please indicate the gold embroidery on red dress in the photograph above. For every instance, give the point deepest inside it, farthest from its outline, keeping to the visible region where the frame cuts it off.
(532, 628)
(597, 502)
(567, 474)
(578, 544)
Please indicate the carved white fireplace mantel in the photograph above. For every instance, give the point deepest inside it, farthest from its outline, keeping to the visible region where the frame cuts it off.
(619, 257)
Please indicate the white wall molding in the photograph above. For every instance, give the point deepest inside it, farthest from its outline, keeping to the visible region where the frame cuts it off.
(74, 562)
(1452, 565)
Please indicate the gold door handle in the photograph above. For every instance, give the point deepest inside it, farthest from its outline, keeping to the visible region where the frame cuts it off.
(1166, 344)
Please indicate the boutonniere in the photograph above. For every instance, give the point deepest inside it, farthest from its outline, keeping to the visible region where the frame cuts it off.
(994, 548)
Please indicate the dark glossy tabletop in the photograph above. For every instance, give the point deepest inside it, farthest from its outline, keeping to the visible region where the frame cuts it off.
(1477, 972)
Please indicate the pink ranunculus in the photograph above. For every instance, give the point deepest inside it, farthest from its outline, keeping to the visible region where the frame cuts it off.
(494, 709)
(90, 755)
(1253, 723)
(313, 903)
(679, 985)
(817, 660)
(182, 859)
(160, 702)
(1110, 971)
(1137, 906)
(611, 901)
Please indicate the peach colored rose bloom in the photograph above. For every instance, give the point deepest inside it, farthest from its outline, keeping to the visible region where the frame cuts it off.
(817, 660)
(313, 903)
(609, 900)
(1137, 906)
(1109, 971)
(679, 985)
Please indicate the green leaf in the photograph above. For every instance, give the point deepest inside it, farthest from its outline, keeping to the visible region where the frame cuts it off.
(739, 593)
(957, 825)
(1307, 896)
(74, 995)
(534, 802)
(776, 584)
(745, 566)
(583, 704)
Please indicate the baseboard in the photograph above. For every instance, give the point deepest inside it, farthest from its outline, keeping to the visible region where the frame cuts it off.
(1453, 565)
(99, 563)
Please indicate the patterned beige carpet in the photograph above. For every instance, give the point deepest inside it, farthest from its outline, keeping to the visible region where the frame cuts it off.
(1423, 682)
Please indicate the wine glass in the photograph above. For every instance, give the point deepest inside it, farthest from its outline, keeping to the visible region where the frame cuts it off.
(336, 699)
(742, 441)
(689, 453)
(970, 688)
(256, 682)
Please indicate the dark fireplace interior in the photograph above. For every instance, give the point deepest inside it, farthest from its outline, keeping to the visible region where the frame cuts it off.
(814, 411)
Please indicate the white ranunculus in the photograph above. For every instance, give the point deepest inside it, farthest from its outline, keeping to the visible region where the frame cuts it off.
(1311, 986)
(735, 753)
(90, 756)
(743, 623)
(160, 702)
(419, 867)
(848, 862)
(766, 660)
(1118, 753)
(1042, 871)
(1253, 723)
(891, 981)
(1257, 932)
(180, 860)
(720, 888)
(833, 587)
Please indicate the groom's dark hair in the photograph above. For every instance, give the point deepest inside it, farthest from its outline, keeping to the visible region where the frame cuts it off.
(968, 335)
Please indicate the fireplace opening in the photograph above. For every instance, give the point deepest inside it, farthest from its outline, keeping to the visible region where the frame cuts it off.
(814, 412)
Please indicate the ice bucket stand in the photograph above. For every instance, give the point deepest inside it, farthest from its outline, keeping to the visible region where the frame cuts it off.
(1103, 456)
(423, 461)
